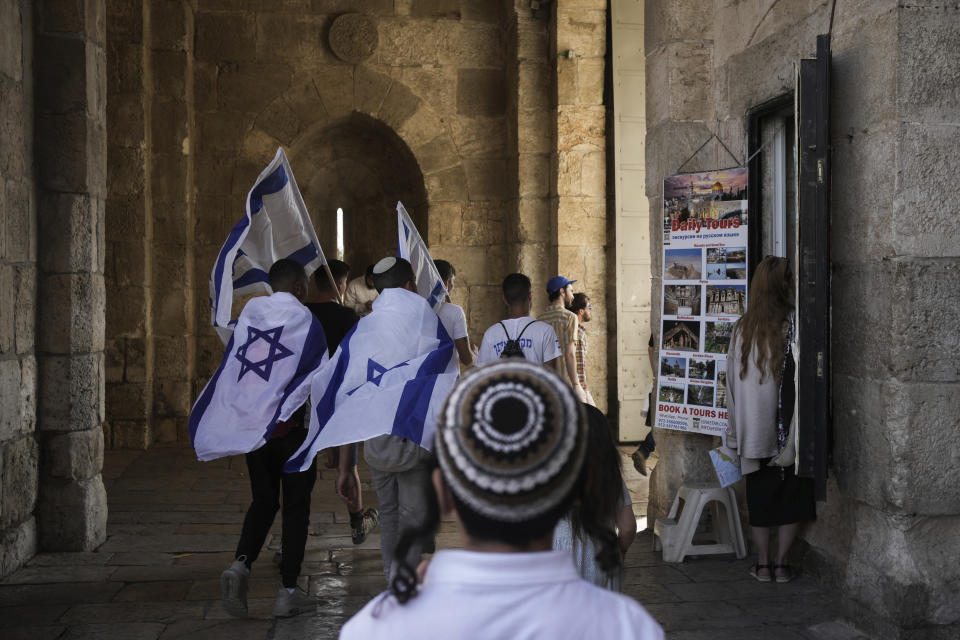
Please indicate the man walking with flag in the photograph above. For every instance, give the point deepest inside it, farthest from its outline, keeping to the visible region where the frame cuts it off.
(253, 405)
(389, 377)
(399, 467)
(337, 321)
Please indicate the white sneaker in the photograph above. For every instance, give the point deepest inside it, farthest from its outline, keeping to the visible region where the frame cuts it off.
(233, 589)
(292, 604)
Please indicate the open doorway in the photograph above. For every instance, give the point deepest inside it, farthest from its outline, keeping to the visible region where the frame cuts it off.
(359, 165)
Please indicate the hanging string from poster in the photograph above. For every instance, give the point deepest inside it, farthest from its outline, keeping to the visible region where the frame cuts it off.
(765, 144)
(736, 160)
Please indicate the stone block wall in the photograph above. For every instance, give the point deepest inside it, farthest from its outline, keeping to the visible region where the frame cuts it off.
(460, 96)
(578, 189)
(431, 94)
(881, 537)
(195, 116)
(19, 451)
(129, 349)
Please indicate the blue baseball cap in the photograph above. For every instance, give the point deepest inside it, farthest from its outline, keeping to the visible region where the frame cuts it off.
(557, 282)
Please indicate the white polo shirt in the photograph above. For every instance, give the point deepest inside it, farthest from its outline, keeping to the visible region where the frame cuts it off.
(538, 342)
(471, 595)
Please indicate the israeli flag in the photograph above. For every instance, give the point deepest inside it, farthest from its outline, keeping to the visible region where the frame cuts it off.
(390, 375)
(276, 226)
(276, 348)
(413, 249)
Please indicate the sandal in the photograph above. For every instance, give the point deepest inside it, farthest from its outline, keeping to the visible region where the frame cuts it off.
(787, 574)
(755, 570)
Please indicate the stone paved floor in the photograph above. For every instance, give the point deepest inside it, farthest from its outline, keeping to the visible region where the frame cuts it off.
(174, 523)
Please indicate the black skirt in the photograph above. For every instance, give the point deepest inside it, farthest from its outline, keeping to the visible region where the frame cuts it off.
(777, 496)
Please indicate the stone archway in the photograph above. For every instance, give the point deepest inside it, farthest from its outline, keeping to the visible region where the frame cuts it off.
(356, 105)
(359, 164)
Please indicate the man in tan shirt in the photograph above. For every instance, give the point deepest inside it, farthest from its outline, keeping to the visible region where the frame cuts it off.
(564, 323)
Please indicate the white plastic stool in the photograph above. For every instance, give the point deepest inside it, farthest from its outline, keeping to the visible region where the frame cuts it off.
(676, 536)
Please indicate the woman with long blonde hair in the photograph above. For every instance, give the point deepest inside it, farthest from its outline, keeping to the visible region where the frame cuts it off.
(760, 405)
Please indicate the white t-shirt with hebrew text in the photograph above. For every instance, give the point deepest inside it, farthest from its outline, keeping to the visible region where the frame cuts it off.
(538, 342)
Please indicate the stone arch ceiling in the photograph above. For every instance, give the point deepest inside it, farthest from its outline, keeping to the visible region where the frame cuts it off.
(343, 97)
(359, 164)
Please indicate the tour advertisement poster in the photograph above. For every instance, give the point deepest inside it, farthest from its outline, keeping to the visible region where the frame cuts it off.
(704, 293)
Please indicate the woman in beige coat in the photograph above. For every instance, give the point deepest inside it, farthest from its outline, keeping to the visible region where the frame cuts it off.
(760, 404)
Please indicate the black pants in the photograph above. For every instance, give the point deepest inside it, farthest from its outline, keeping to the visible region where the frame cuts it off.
(649, 444)
(265, 466)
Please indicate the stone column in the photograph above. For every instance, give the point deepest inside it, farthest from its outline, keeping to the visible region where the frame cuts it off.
(579, 183)
(529, 139)
(18, 258)
(71, 170)
(679, 63)
(169, 29)
(129, 229)
(632, 218)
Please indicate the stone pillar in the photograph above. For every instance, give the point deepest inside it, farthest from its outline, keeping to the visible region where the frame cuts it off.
(579, 181)
(679, 63)
(151, 315)
(169, 33)
(529, 141)
(71, 153)
(18, 257)
(632, 218)
(129, 229)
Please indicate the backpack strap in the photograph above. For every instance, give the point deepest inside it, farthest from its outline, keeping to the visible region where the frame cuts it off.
(524, 329)
(507, 333)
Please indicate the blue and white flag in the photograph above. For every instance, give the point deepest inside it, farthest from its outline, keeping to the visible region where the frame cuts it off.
(413, 249)
(390, 375)
(276, 226)
(276, 348)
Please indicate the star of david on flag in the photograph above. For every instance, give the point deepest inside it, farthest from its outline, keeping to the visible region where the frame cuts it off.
(276, 225)
(390, 375)
(263, 367)
(265, 376)
(375, 371)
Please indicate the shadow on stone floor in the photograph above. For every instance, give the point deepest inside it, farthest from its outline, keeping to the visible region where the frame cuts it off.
(174, 523)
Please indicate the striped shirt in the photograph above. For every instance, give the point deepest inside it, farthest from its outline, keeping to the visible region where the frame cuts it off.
(580, 351)
(564, 324)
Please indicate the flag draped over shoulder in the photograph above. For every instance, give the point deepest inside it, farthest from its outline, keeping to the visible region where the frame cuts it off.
(276, 225)
(390, 375)
(413, 249)
(276, 348)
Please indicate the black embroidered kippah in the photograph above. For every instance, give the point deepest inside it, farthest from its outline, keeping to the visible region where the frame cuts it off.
(511, 440)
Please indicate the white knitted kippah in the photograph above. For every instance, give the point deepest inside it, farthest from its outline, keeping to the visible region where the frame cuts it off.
(511, 440)
(384, 265)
